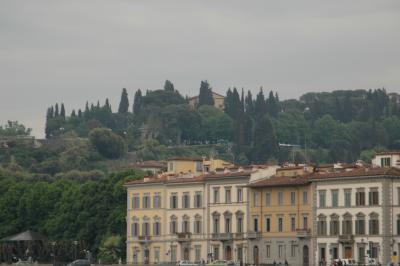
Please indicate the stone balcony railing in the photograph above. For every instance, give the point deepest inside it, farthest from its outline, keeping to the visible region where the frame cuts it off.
(303, 233)
(254, 235)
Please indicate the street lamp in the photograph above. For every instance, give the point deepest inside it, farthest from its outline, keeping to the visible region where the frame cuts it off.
(53, 244)
(75, 247)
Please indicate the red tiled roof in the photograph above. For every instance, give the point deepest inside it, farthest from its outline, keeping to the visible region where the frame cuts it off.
(149, 164)
(235, 174)
(185, 159)
(388, 153)
(278, 181)
(360, 172)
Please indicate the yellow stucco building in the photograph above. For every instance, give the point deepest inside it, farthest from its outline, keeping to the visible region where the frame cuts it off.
(280, 219)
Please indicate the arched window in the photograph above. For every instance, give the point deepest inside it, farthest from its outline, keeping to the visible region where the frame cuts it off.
(334, 225)
(374, 223)
(185, 224)
(228, 221)
(321, 225)
(135, 227)
(360, 223)
(215, 216)
(197, 224)
(173, 228)
(157, 226)
(146, 226)
(347, 224)
(239, 221)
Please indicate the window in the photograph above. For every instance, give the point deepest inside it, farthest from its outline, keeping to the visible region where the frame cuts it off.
(197, 253)
(135, 201)
(174, 201)
(305, 222)
(347, 197)
(146, 229)
(268, 224)
(293, 249)
(374, 224)
(216, 223)
(305, 197)
(360, 224)
(216, 195)
(173, 225)
(185, 200)
(239, 222)
(280, 251)
(146, 201)
(157, 255)
(135, 229)
(280, 224)
(185, 224)
(157, 228)
(373, 196)
(322, 199)
(398, 224)
(239, 192)
(227, 224)
(292, 198)
(216, 253)
(280, 198)
(360, 198)
(255, 224)
(267, 199)
(334, 225)
(321, 226)
(199, 166)
(255, 199)
(268, 251)
(197, 225)
(292, 224)
(171, 167)
(347, 225)
(385, 162)
(335, 198)
(197, 200)
(227, 195)
(157, 200)
(374, 250)
(173, 253)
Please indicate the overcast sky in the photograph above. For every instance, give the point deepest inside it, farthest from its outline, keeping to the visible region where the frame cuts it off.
(73, 51)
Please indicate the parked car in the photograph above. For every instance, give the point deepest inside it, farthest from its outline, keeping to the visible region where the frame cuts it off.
(186, 263)
(371, 262)
(81, 262)
(218, 263)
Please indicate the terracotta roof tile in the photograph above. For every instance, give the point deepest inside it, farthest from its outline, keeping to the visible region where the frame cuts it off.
(277, 181)
(358, 172)
(185, 159)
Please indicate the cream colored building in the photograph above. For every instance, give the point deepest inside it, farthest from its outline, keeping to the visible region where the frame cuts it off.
(218, 101)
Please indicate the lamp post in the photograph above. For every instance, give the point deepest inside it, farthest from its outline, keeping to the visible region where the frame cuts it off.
(53, 244)
(75, 247)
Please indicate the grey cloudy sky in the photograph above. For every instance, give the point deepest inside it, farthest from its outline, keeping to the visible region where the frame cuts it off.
(73, 51)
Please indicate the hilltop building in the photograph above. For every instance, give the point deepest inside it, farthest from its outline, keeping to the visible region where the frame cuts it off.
(219, 101)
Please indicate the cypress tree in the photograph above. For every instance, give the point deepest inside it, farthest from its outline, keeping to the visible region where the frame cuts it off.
(107, 106)
(56, 112)
(249, 105)
(265, 144)
(260, 105)
(205, 95)
(49, 116)
(272, 105)
(98, 105)
(124, 102)
(79, 113)
(169, 86)
(228, 103)
(62, 112)
(73, 114)
(137, 102)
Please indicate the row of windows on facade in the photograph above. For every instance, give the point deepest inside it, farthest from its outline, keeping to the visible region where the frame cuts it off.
(279, 198)
(334, 251)
(228, 195)
(373, 198)
(197, 228)
(347, 225)
(279, 223)
(172, 253)
(146, 200)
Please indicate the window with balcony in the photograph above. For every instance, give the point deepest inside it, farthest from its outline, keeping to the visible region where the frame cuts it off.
(157, 228)
(228, 195)
(373, 197)
(174, 201)
(197, 225)
(185, 200)
(239, 222)
(215, 222)
(198, 200)
(360, 197)
(173, 225)
(146, 229)
(135, 229)
(360, 224)
(135, 201)
(292, 198)
(322, 203)
(335, 198)
(185, 224)
(268, 199)
(305, 222)
(374, 224)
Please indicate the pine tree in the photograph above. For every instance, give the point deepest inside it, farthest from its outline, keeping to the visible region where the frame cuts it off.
(56, 112)
(205, 95)
(169, 86)
(137, 102)
(62, 112)
(124, 103)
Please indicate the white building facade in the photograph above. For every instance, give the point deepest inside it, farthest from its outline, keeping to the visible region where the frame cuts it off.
(356, 215)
